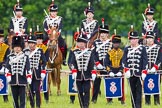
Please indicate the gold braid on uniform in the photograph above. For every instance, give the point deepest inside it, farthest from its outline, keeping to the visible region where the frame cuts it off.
(3, 49)
(115, 57)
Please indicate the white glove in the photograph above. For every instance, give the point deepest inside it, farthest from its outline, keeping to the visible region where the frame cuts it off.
(8, 79)
(43, 76)
(119, 74)
(99, 66)
(143, 76)
(127, 74)
(74, 75)
(93, 77)
(4, 70)
(111, 74)
(29, 80)
(153, 70)
(149, 70)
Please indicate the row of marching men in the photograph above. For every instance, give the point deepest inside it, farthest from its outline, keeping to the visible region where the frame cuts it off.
(23, 67)
(106, 59)
(136, 60)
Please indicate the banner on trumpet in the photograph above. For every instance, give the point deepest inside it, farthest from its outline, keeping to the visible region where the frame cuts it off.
(113, 87)
(152, 84)
(72, 87)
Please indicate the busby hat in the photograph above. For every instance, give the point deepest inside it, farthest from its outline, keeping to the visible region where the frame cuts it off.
(103, 28)
(116, 38)
(133, 34)
(32, 39)
(82, 38)
(150, 34)
(1, 33)
(89, 9)
(39, 35)
(149, 10)
(53, 7)
(18, 41)
(18, 6)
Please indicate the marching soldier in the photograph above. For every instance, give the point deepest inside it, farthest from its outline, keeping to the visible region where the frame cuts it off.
(39, 36)
(4, 52)
(89, 25)
(149, 24)
(101, 47)
(82, 67)
(134, 63)
(53, 20)
(37, 65)
(18, 23)
(18, 72)
(154, 60)
(113, 63)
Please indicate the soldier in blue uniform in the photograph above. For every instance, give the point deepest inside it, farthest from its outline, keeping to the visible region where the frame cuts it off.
(53, 20)
(18, 23)
(37, 65)
(4, 52)
(113, 63)
(154, 60)
(149, 24)
(89, 25)
(18, 72)
(135, 62)
(102, 46)
(39, 36)
(82, 67)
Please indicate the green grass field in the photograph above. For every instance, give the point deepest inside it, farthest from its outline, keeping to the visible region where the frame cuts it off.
(63, 101)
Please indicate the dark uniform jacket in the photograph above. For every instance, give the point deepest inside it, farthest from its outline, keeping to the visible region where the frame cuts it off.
(135, 60)
(19, 66)
(84, 64)
(37, 62)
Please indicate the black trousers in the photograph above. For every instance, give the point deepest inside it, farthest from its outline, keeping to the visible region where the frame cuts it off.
(72, 98)
(35, 90)
(46, 96)
(63, 46)
(83, 93)
(136, 91)
(18, 93)
(96, 89)
(156, 99)
(5, 98)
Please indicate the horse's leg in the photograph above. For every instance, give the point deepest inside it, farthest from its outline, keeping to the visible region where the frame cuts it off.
(49, 83)
(58, 81)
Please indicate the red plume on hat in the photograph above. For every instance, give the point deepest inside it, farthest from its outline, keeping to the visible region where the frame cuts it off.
(103, 21)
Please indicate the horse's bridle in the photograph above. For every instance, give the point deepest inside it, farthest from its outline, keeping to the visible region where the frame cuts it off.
(53, 47)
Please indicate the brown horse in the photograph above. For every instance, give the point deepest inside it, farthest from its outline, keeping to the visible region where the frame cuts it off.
(55, 60)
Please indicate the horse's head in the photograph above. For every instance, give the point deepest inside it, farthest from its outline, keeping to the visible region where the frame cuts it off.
(53, 37)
